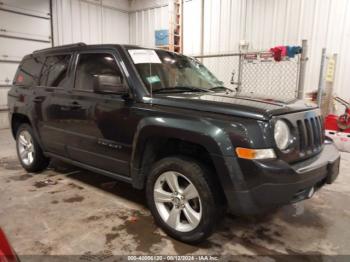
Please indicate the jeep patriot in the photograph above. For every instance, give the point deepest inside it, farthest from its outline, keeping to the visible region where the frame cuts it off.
(164, 123)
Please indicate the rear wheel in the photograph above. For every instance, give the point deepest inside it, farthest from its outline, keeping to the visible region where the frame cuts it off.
(182, 199)
(28, 150)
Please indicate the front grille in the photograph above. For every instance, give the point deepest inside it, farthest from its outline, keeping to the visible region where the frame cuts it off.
(311, 134)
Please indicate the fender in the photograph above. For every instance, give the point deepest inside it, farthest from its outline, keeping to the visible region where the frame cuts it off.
(21, 108)
(214, 139)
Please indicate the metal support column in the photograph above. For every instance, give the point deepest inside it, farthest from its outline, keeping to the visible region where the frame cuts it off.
(302, 70)
(321, 80)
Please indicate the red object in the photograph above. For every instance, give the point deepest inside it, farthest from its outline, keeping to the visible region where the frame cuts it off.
(344, 122)
(331, 123)
(20, 79)
(6, 252)
(133, 219)
(277, 53)
(339, 123)
(284, 50)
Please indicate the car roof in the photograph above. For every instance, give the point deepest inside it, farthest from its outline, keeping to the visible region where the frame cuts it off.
(83, 46)
(70, 48)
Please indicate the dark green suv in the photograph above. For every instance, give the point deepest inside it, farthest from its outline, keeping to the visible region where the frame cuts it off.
(162, 122)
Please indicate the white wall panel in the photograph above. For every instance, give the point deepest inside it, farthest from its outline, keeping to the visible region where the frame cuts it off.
(192, 28)
(34, 7)
(25, 27)
(92, 22)
(7, 74)
(137, 5)
(15, 49)
(3, 98)
(115, 26)
(143, 24)
(267, 23)
(222, 25)
(119, 4)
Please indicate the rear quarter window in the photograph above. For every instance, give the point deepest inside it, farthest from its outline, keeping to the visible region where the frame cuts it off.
(55, 71)
(28, 72)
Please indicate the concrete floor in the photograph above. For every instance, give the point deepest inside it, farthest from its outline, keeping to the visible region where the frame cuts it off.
(66, 210)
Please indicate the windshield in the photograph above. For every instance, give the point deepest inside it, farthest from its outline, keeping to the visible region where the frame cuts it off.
(163, 71)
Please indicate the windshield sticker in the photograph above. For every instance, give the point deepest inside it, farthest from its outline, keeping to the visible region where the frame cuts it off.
(144, 56)
(153, 79)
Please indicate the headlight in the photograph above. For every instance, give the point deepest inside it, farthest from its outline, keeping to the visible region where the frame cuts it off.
(282, 135)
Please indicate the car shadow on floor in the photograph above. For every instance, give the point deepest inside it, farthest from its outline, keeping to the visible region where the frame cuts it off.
(260, 235)
(105, 183)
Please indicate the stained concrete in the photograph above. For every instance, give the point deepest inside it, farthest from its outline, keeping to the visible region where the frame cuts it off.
(67, 210)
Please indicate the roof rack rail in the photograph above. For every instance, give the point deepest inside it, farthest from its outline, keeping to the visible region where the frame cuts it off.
(60, 47)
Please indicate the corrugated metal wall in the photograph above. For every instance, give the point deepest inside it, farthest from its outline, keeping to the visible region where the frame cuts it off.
(109, 21)
(266, 23)
(24, 27)
(92, 22)
(144, 22)
(263, 23)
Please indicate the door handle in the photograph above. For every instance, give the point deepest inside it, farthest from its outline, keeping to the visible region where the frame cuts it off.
(75, 105)
(38, 99)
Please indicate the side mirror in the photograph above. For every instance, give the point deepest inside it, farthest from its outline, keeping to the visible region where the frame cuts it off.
(109, 84)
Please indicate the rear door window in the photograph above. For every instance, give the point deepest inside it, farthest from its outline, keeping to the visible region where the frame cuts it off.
(55, 71)
(29, 72)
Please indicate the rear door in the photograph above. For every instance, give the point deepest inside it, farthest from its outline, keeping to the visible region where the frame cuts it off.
(54, 101)
(24, 98)
(101, 128)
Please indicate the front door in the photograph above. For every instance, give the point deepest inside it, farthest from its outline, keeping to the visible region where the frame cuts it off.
(97, 124)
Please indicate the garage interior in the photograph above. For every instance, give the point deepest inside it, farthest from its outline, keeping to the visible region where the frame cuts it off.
(69, 211)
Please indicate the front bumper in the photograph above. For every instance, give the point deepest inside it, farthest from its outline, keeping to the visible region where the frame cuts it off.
(277, 183)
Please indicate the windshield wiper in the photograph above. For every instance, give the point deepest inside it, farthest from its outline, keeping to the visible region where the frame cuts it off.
(180, 88)
(220, 88)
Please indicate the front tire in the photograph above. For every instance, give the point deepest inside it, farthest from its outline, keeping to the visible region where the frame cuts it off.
(183, 199)
(29, 152)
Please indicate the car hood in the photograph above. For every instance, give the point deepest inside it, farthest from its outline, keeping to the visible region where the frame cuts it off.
(231, 104)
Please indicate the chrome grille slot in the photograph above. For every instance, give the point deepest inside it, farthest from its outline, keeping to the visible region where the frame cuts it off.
(311, 135)
(319, 131)
(302, 137)
(315, 132)
(310, 138)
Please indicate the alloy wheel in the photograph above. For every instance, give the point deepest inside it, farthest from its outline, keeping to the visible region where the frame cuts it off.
(177, 201)
(26, 147)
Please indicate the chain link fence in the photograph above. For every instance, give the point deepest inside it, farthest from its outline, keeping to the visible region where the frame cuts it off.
(256, 74)
(225, 67)
(264, 77)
